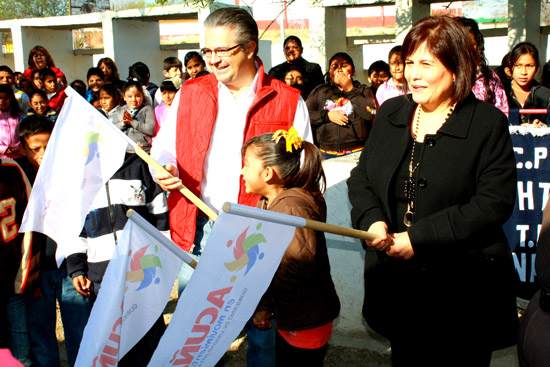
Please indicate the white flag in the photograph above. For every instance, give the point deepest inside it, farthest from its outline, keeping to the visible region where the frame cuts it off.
(84, 151)
(239, 261)
(134, 292)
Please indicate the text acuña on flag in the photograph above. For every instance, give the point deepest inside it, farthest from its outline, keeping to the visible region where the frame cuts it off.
(236, 267)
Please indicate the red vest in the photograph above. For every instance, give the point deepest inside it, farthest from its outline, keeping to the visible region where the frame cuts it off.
(273, 108)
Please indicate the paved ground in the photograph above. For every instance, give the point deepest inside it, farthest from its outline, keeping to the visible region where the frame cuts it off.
(348, 352)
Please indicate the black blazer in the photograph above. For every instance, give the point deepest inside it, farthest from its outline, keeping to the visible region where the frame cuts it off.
(466, 190)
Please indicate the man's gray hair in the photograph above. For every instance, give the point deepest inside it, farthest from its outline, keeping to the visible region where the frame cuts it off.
(237, 18)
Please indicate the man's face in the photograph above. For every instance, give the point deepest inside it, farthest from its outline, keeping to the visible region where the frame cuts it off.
(6, 78)
(236, 70)
(292, 51)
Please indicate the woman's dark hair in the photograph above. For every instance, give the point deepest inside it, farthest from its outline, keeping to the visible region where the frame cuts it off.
(521, 49)
(14, 105)
(447, 40)
(473, 28)
(500, 70)
(193, 55)
(132, 84)
(111, 90)
(107, 61)
(308, 176)
(344, 56)
(293, 38)
(36, 49)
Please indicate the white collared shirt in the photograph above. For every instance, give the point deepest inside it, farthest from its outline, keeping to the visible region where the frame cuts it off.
(223, 163)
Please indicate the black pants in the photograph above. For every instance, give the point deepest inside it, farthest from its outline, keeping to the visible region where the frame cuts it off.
(288, 356)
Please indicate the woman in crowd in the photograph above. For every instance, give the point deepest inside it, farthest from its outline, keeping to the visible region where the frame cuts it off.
(341, 110)
(110, 71)
(525, 91)
(436, 182)
(292, 47)
(39, 58)
(488, 86)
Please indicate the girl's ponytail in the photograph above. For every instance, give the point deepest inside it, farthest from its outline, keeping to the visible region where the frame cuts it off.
(310, 175)
(284, 150)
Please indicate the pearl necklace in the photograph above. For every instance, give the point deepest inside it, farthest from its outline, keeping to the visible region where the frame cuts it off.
(410, 182)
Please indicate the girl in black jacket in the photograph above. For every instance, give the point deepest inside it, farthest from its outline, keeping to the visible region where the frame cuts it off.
(341, 110)
(525, 91)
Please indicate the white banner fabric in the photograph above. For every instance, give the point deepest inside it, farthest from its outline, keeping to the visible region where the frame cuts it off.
(236, 267)
(84, 151)
(134, 292)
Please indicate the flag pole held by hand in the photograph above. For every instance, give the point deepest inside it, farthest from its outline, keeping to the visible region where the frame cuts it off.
(291, 220)
(182, 189)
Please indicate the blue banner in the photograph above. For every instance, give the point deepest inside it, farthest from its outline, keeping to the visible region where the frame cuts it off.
(533, 188)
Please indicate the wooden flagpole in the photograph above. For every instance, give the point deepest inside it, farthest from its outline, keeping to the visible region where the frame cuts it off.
(291, 220)
(182, 189)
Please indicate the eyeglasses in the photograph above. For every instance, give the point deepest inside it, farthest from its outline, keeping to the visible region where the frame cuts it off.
(221, 51)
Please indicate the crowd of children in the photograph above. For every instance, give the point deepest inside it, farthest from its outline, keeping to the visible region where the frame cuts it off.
(30, 103)
(29, 106)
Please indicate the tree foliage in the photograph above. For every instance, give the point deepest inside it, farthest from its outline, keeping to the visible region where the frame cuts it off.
(17, 9)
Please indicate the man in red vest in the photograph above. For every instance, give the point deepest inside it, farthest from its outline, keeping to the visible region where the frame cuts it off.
(209, 120)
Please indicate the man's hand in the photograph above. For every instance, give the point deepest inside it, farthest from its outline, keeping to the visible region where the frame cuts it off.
(167, 182)
(82, 285)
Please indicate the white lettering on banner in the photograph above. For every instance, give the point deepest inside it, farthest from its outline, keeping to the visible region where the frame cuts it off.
(192, 344)
(522, 228)
(243, 254)
(521, 266)
(545, 186)
(526, 194)
(540, 153)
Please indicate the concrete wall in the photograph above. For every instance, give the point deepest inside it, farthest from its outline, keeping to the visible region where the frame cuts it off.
(133, 35)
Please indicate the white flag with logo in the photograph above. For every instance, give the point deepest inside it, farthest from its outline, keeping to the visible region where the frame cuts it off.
(134, 292)
(84, 151)
(239, 261)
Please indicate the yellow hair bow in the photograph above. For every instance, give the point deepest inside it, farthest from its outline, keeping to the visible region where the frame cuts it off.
(291, 136)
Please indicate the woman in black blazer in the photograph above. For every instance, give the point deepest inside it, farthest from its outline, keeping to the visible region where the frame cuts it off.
(436, 181)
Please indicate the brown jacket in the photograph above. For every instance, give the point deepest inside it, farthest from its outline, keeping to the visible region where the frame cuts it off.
(302, 295)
